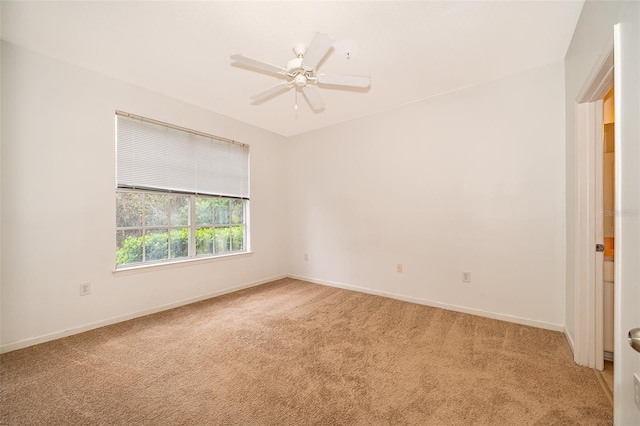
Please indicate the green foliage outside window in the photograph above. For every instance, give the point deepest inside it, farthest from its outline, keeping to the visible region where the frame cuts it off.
(142, 217)
(157, 244)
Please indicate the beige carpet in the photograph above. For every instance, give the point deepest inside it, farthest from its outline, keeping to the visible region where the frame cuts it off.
(291, 352)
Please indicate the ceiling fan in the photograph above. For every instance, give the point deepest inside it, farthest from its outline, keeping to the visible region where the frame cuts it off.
(300, 73)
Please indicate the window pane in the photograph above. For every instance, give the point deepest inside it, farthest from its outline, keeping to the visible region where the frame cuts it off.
(156, 244)
(156, 210)
(222, 240)
(222, 211)
(204, 241)
(128, 209)
(179, 208)
(179, 241)
(204, 211)
(237, 238)
(237, 211)
(129, 246)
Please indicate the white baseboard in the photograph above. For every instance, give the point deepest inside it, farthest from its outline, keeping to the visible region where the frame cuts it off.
(471, 311)
(12, 346)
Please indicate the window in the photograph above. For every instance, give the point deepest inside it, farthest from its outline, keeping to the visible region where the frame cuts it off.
(180, 194)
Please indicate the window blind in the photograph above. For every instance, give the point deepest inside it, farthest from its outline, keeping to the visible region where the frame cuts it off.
(153, 155)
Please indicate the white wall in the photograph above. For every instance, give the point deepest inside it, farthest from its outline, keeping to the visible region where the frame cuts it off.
(58, 202)
(591, 39)
(468, 181)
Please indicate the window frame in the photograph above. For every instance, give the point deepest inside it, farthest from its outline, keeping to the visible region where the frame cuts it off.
(135, 174)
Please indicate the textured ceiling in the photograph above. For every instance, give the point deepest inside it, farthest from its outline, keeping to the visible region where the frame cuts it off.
(412, 50)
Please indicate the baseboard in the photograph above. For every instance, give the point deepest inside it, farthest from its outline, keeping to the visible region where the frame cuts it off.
(434, 304)
(12, 346)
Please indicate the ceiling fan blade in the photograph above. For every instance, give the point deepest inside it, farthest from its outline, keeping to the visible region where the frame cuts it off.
(345, 80)
(319, 47)
(254, 63)
(271, 91)
(313, 97)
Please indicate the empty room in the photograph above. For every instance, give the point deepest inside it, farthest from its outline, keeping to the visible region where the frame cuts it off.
(320, 212)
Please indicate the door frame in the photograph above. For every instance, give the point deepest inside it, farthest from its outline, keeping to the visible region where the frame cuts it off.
(588, 340)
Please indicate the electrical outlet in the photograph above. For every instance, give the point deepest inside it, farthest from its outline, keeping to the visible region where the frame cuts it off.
(85, 289)
(636, 389)
(306, 256)
(399, 267)
(466, 277)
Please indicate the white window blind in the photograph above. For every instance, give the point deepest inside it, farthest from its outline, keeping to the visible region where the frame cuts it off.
(154, 155)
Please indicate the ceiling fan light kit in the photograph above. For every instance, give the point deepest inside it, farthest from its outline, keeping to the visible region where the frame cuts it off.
(300, 72)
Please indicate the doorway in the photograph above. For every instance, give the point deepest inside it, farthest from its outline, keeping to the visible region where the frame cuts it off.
(589, 225)
(609, 217)
(588, 338)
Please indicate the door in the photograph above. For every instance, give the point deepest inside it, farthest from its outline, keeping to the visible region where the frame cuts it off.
(627, 265)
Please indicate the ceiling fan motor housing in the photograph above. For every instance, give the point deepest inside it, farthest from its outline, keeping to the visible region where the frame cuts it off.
(299, 74)
(295, 66)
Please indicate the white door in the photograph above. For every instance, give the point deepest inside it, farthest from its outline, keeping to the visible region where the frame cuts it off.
(627, 239)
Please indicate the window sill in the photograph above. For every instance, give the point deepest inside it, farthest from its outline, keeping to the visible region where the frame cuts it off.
(178, 263)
